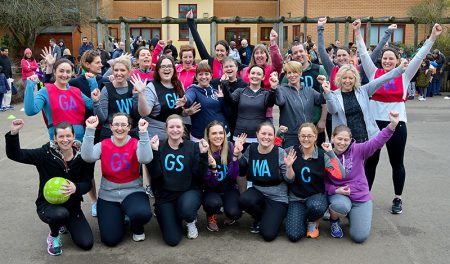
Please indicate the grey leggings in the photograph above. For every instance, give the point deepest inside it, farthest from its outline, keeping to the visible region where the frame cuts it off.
(310, 209)
(359, 215)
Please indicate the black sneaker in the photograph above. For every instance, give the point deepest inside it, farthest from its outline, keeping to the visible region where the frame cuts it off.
(397, 206)
(254, 229)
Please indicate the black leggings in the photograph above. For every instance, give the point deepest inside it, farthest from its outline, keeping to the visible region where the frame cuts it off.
(213, 201)
(56, 216)
(270, 213)
(171, 214)
(111, 217)
(396, 151)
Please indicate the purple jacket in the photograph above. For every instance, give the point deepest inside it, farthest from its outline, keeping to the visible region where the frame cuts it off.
(353, 162)
(211, 179)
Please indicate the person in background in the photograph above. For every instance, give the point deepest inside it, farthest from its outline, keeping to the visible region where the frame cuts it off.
(119, 51)
(28, 65)
(234, 53)
(104, 56)
(245, 52)
(68, 55)
(85, 46)
(172, 48)
(56, 49)
(62, 46)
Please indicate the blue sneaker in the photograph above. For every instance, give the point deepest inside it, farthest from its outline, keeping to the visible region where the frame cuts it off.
(54, 245)
(94, 209)
(336, 230)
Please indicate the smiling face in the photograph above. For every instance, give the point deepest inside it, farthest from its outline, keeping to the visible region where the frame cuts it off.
(144, 59)
(348, 81)
(293, 77)
(298, 53)
(256, 75)
(64, 138)
(120, 72)
(187, 59)
(341, 141)
(166, 70)
(63, 74)
(221, 52)
(389, 61)
(307, 138)
(95, 66)
(216, 136)
(203, 78)
(260, 57)
(266, 136)
(342, 57)
(175, 129)
(120, 127)
(230, 69)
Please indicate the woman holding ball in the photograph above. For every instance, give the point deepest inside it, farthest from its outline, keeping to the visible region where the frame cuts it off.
(58, 158)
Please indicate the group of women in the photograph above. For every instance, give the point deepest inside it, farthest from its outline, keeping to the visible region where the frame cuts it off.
(126, 122)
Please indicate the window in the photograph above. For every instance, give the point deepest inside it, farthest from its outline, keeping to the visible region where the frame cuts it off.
(377, 32)
(297, 35)
(114, 32)
(285, 34)
(146, 33)
(237, 34)
(265, 34)
(183, 31)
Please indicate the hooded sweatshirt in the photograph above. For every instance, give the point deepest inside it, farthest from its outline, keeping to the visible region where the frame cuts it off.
(29, 66)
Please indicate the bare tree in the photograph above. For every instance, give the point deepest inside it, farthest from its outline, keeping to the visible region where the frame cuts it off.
(429, 11)
(26, 19)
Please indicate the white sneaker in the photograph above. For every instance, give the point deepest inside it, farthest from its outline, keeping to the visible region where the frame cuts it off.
(422, 99)
(138, 238)
(192, 230)
(447, 98)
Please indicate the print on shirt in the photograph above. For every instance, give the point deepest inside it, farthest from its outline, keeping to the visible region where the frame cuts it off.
(120, 161)
(222, 171)
(67, 104)
(261, 168)
(390, 86)
(125, 105)
(307, 81)
(171, 99)
(172, 162)
(303, 174)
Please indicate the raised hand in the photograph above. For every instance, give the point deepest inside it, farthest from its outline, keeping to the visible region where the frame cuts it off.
(95, 95)
(154, 142)
(321, 21)
(392, 26)
(273, 36)
(327, 146)
(274, 80)
(212, 161)
(190, 14)
(195, 108)
(111, 78)
(284, 129)
(326, 87)
(48, 56)
(219, 92)
(162, 43)
(139, 85)
(92, 122)
(181, 102)
(89, 75)
(403, 64)
(203, 146)
(224, 77)
(143, 124)
(437, 30)
(239, 144)
(16, 126)
(321, 78)
(290, 158)
(357, 25)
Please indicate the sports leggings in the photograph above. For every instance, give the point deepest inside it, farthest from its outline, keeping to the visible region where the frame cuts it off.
(111, 217)
(269, 213)
(396, 151)
(213, 201)
(73, 218)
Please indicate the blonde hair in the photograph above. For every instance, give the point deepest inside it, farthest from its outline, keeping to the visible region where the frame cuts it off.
(125, 60)
(224, 147)
(263, 48)
(293, 66)
(309, 125)
(345, 68)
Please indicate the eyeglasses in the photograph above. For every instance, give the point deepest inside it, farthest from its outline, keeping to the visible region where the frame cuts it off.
(119, 124)
(307, 136)
(164, 67)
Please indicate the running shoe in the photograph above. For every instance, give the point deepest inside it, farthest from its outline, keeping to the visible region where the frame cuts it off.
(63, 230)
(138, 238)
(212, 223)
(313, 230)
(336, 230)
(192, 231)
(228, 222)
(54, 245)
(94, 209)
(254, 229)
(396, 206)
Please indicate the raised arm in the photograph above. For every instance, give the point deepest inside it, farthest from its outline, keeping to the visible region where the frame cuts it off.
(143, 151)
(101, 106)
(366, 61)
(90, 152)
(323, 55)
(33, 104)
(377, 83)
(13, 150)
(275, 55)
(379, 48)
(198, 41)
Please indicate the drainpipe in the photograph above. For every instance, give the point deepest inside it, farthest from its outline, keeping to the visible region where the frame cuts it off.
(305, 14)
(167, 25)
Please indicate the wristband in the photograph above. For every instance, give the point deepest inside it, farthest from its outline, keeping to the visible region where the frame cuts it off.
(236, 156)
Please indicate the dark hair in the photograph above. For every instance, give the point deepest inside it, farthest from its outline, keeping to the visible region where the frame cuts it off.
(52, 40)
(130, 120)
(138, 51)
(63, 125)
(174, 80)
(394, 50)
(88, 57)
(3, 48)
(203, 67)
(427, 64)
(186, 48)
(61, 61)
(265, 123)
(343, 48)
(223, 43)
(342, 128)
(257, 66)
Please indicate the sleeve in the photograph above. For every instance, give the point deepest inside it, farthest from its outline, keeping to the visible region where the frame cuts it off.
(155, 55)
(92, 83)
(90, 152)
(415, 63)
(369, 147)
(33, 104)
(270, 98)
(277, 59)
(87, 174)
(323, 55)
(191, 96)
(200, 166)
(280, 99)
(143, 151)
(322, 71)
(101, 106)
(15, 153)
(332, 102)
(318, 97)
(155, 167)
(243, 161)
(198, 41)
(333, 166)
(233, 165)
(379, 48)
(87, 102)
(366, 61)
(283, 170)
(236, 95)
(377, 83)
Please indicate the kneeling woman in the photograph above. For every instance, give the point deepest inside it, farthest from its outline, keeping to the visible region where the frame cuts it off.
(307, 199)
(220, 187)
(61, 158)
(176, 171)
(350, 195)
(267, 200)
(121, 190)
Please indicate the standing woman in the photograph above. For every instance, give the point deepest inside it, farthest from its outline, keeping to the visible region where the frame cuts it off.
(267, 200)
(121, 191)
(349, 195)
(144, 61)
(157, 100)
(186, 69)
(91, 79)
(58, 158)
(176, 170)
(307, 199)
(28, 65)
(117, 96)
(59, 101)
(221, 48)
(219, 183)
(211, 101)
(392, 97)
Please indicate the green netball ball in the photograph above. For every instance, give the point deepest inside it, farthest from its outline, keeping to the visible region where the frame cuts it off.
(52, 191)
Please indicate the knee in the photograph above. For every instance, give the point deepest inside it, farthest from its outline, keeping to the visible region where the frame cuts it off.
(142, 216)
(110, 242)
(294, 236)
(188, 214)
(234, 214)
(359, 237)
(213, 204)
(246, 200)
(268, 235)
(172, 240)
(86, 244)
(339, 208)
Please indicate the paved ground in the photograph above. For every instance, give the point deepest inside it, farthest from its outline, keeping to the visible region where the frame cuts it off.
(420, 235)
